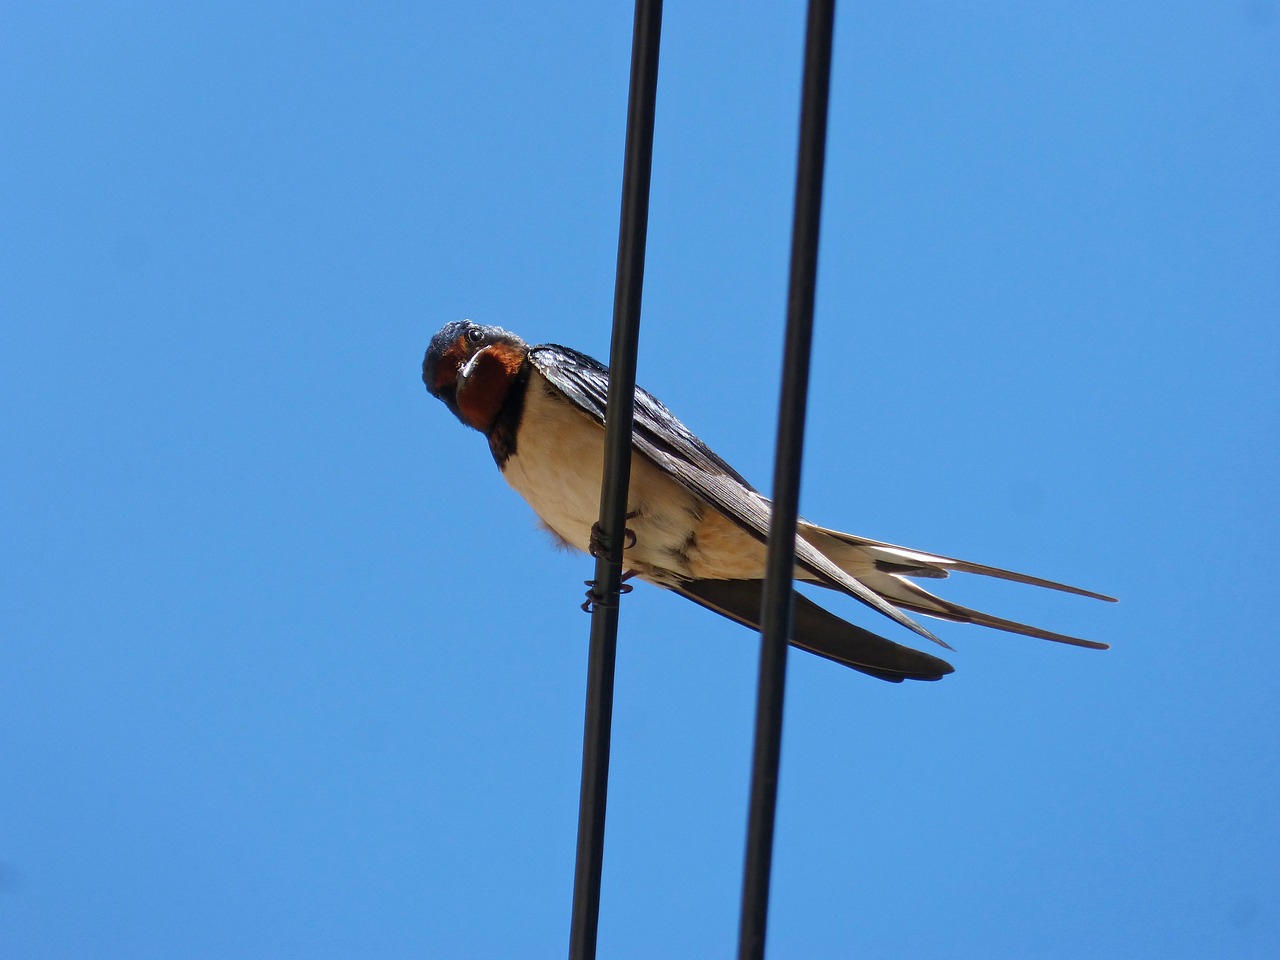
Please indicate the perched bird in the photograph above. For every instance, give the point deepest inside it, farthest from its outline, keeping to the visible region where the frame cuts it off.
(694, 525)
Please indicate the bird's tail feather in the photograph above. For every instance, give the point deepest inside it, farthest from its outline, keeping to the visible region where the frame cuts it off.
(884, 568)
(913, 597)
(918, 563)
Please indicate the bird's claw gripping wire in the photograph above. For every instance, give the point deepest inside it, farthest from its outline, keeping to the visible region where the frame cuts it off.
(596, 545)
(596, 599)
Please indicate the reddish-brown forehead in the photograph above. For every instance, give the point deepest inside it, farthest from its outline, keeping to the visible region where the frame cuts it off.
(450, 362)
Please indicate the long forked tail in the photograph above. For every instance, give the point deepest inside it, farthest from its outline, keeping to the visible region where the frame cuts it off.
(885, 567)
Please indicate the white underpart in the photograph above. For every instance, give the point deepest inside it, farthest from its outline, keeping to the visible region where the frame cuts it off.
(557, 467)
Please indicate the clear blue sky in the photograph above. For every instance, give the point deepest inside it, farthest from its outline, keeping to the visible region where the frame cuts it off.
(287, 671)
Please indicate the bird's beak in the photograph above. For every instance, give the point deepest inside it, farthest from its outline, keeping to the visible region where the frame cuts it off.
(469, 366)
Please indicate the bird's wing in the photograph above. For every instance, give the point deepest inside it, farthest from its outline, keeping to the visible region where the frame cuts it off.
(675, 449)
(585, 381)
(818, 631)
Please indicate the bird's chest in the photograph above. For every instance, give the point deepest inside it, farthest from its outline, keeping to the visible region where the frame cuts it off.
(557, 466)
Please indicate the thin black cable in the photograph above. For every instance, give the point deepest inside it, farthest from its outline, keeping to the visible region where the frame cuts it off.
(778, 602)
(632, 232)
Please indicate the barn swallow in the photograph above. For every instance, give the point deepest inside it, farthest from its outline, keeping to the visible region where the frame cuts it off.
(694, 526)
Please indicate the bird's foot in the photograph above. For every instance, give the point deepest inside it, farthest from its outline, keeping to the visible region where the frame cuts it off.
(597, 599)
(596, 545)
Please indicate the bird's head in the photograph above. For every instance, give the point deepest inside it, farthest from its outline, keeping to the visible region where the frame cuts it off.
(453, 349)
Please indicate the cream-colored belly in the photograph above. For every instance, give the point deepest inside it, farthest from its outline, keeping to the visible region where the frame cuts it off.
(557, 468)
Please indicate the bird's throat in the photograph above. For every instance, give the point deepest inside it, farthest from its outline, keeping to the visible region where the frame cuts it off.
(490, 395)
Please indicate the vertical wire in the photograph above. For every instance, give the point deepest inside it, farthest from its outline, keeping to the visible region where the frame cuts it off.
(632, 232)
(778, 602)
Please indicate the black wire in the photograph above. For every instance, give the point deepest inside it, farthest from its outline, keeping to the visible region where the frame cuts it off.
(637, 164)
(777, 604)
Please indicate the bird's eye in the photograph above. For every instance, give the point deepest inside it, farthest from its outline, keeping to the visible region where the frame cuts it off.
(474, 335)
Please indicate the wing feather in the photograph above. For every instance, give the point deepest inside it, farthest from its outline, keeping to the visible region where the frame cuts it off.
(818, 631)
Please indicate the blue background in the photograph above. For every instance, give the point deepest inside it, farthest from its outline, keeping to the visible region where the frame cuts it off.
(287, 671)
